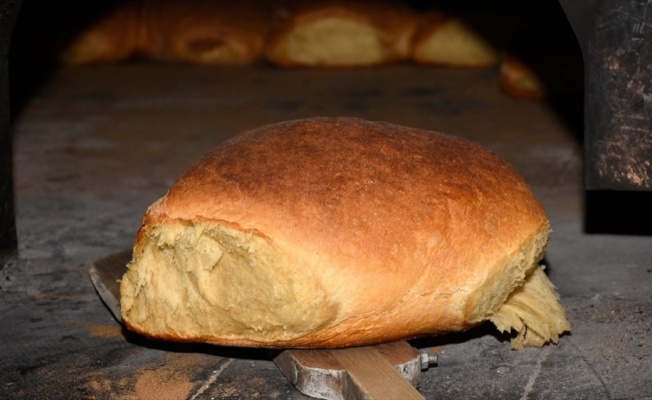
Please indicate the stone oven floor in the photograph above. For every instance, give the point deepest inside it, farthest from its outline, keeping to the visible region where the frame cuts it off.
(96, 145)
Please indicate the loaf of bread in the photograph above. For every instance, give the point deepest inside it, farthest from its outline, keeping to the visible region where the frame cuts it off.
(116, 36)
(227, 32)
(450, 41)
(335, 232)
(337, 33)
(519, 79)
(543, 61)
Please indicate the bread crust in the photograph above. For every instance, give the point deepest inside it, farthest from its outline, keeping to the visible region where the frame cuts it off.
(391, 233)
(391, 23)
(115, 37)
(228, 32)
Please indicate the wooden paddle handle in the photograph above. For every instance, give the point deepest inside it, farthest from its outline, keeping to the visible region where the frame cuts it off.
(387, 371)
(372, 376)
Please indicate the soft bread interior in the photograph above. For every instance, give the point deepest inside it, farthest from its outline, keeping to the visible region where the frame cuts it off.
(201, 279)
(335, 40)
(453, 43)
(533, 312)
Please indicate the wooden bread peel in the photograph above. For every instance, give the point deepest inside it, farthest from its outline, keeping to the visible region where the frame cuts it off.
(386, 371)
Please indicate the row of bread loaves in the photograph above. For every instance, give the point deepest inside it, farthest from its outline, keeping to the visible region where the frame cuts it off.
(327, 33)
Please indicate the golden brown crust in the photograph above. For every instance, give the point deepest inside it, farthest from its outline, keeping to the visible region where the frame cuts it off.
(391, 23)
(381, 160)
(389, 232)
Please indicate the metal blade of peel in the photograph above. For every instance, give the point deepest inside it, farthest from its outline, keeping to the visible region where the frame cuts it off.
(385, 371)
(105, 275)
(344, 374)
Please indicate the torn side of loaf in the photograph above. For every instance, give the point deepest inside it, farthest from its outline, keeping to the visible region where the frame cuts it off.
(533, 312)
(210, 280)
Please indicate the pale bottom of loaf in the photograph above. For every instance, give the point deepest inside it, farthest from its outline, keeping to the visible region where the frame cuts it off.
(454, 44)
(334, 41)
(204, 281)
(206, 47)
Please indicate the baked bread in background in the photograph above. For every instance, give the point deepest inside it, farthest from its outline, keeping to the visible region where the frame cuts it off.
(116, 36)
(337, 33)
(539, 62)
(451, 41)
(336, 232)
(226, 32)
(519, 79)
(543, 62)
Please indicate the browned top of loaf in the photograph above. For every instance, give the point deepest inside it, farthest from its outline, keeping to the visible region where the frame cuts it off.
(369, 195)
(385, 14)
